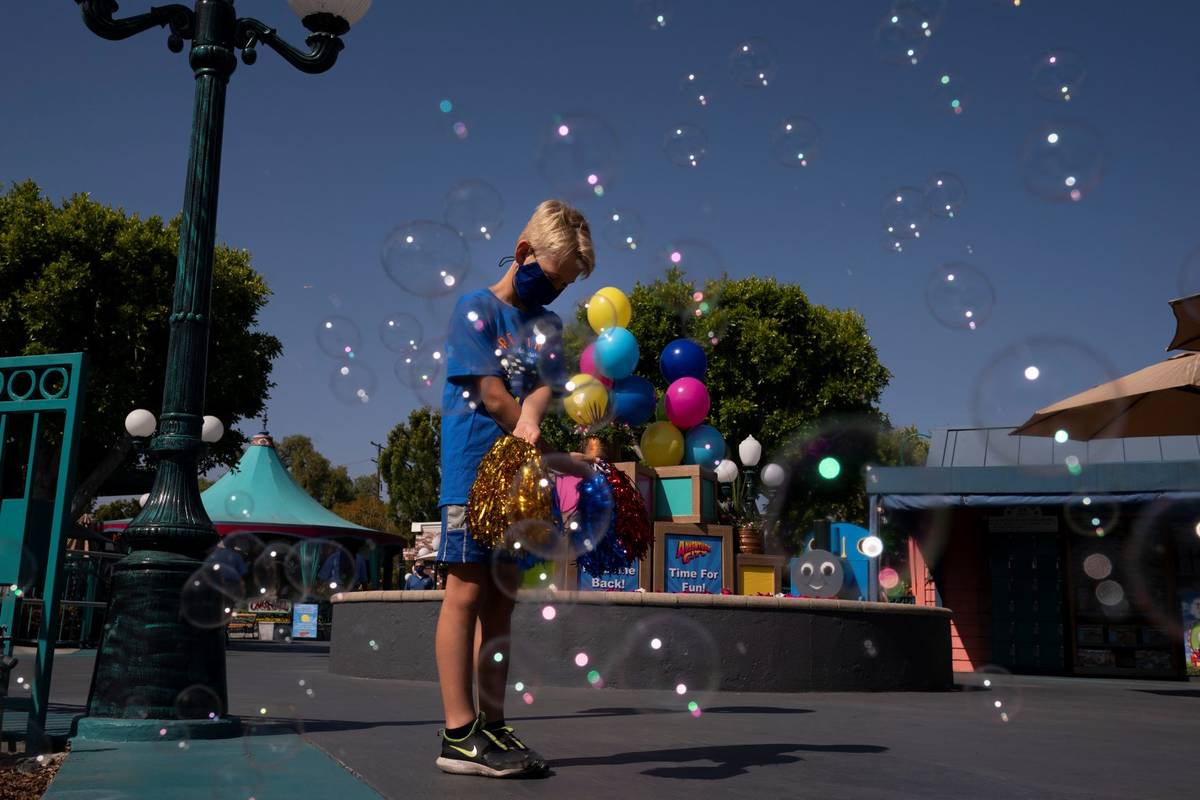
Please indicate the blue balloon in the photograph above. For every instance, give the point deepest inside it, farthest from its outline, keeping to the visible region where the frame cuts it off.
(703, 445)
(616, 353)
(634, 400)
(683, 358)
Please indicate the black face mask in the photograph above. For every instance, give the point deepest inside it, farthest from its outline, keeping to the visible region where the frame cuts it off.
(532, 286)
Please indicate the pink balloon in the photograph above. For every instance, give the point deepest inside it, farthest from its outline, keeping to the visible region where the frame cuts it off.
(686, 403)
(587, 363)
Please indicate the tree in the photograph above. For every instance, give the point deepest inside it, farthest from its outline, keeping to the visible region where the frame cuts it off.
(85, 277)
(369, 511)
(411, 467)
(325, 483)
(117, 509)
(365, 486)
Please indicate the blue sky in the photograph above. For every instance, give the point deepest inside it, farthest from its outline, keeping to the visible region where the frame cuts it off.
(317, 170)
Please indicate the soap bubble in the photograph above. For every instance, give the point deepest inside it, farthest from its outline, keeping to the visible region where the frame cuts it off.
(1110, 593)
(273, 738)
(578, 156)
(945, 194)
(1097, 566)
(952, 94)
(903, 34)
(685, 145)
(270, 573)
(475, 209)
(697, 258)
(338, 337)
(1092, 515)
(400, 332)
(319, 567)
(202, 604)
(1033, 374)
(427, 372)
(1058, 75)
(905, 212)
(687, 657)
(239, 505)
(1062, 161)
(198, 702)
(795, 141)
(993, 693)
(353, 383)
(959, 296)
(752, 63)
(622, 228)
(655, 14)
(695, 87)
(426, 259)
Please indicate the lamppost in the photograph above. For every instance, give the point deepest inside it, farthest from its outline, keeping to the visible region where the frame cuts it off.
(152, 653)
(750, 451)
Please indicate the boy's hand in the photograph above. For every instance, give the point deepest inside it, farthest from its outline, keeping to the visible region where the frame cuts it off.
(527, 430)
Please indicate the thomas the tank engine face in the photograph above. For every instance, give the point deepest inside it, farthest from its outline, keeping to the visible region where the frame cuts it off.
(820, 574)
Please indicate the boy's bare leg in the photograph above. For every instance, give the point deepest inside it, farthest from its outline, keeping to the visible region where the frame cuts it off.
(454, 645)
(495, 617)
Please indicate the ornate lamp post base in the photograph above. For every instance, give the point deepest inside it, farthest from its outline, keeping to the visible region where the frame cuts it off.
(159, 675)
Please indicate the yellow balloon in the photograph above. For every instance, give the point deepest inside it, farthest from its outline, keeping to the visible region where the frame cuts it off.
(609, 308)
(587, 402)
(662, 445)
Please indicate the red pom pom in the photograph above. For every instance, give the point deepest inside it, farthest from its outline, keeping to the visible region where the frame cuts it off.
(632, 524)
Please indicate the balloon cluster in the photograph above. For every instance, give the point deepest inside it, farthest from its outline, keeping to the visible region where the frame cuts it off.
(612, 529)
(686, 404)
(606, 388)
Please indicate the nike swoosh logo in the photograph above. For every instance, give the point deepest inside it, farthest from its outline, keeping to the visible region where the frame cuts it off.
(472, 753)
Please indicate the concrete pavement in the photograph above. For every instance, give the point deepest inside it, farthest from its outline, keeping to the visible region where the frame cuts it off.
(1047, 738)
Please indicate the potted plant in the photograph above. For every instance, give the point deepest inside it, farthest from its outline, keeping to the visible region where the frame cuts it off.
(748, 523)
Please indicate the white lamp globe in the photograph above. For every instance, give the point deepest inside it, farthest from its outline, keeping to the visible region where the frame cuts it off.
(212, 430)
(727, 471)
(140, 422)
(144, 499)
(773, 476)
(350, 10)
(750, 451)
(871, 546)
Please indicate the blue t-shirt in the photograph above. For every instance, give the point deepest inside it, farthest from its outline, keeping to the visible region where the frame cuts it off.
(488, 337)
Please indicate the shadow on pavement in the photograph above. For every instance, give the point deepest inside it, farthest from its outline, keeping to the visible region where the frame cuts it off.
(731, 760)
(305, 648)
(1172, 692)
(327, 725)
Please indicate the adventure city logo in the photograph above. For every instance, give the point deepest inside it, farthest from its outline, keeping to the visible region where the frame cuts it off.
(687, 551)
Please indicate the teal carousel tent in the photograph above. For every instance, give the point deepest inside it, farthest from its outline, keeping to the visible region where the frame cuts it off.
(260, 497)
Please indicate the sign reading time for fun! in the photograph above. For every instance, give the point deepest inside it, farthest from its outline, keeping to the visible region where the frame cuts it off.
(693, 563)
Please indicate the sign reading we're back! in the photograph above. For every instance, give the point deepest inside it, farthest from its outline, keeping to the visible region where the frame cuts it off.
(620, 580)
(693, 563)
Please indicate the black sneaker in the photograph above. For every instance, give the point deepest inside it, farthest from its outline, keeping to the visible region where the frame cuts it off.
(508, 736)
(481, 752)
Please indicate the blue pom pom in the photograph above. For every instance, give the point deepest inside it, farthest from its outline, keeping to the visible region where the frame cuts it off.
(594, 538)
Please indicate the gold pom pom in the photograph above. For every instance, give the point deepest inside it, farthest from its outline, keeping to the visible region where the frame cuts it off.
(511, 488)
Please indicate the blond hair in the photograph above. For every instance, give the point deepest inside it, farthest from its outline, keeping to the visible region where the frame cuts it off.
(560, 230)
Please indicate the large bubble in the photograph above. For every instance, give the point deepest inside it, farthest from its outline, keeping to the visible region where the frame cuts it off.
(426, 259)
(946, 194)
(353, 383)
(670, 661)
(698, 259)
(905, 211)
(959, 296)
(427, 371)
(622, 228)
(685, 145)
(1062, 161)
(579, 156)
(795, 141)
(338, 337)
(1058, 75)
(401, 332)
(696, 88)
(752, 63)
(903, 34)
(475, 209)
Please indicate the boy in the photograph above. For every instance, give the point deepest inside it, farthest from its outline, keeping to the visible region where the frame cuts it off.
(478, 407)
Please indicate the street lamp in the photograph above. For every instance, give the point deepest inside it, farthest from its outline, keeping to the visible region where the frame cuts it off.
(750, 451)
(150, 653)
(726, 474)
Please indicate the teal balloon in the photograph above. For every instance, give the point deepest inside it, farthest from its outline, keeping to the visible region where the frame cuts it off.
(616, 353)
(703, 445)
(633, 400)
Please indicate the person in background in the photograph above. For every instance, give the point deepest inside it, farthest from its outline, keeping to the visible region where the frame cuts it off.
(418, 579)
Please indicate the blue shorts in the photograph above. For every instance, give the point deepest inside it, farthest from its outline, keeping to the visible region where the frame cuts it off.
(457, 545)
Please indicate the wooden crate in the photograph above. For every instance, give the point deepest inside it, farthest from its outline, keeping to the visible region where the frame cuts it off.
(688, 549)
(759, 574)
(687, 493)
(643, 478)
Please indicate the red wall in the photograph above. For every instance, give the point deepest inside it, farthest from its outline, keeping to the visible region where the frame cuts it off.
(961, 566)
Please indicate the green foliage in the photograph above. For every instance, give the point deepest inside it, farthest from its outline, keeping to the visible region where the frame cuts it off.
(82, 276)
(369, 511)
(117, 509)
(365, 486)
(411, 467)
(325, 483)
(902, 447)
